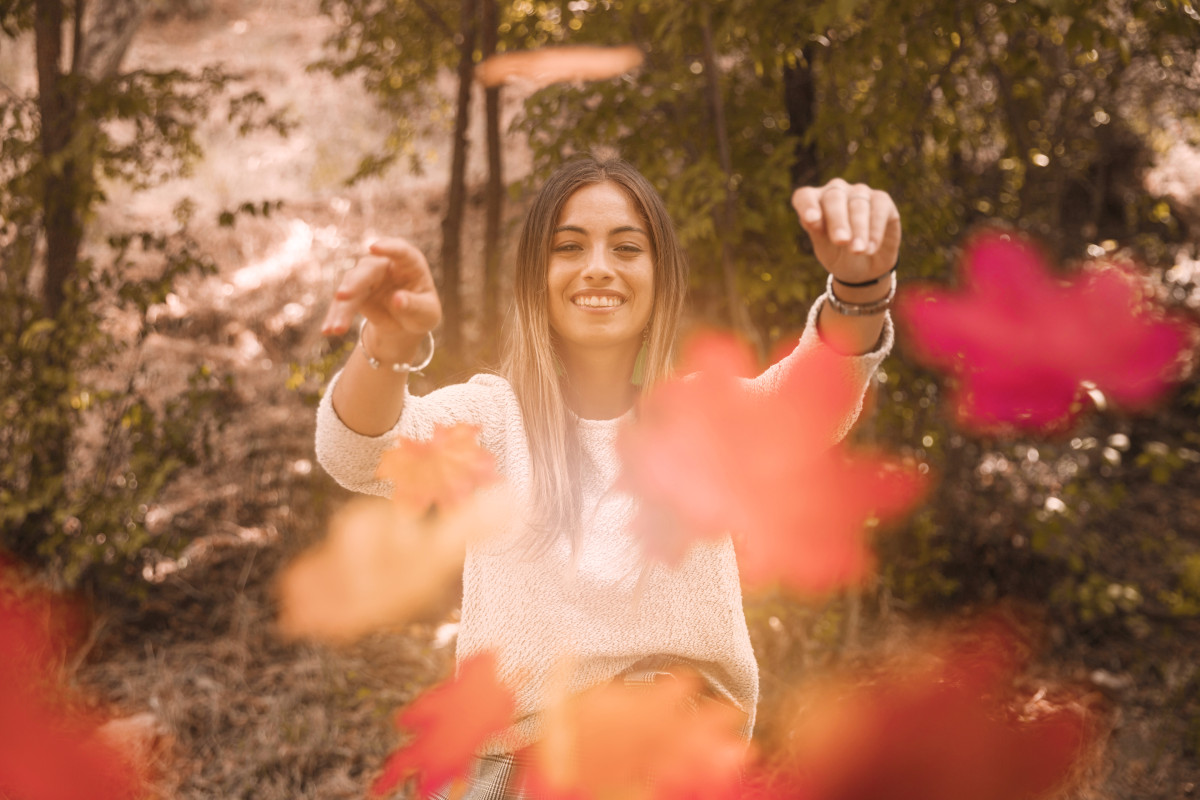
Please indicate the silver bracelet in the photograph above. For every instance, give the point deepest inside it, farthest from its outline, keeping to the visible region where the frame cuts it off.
(399, 366)
(859, 309)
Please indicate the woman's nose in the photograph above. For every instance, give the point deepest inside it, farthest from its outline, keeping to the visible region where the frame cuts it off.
(598, 267)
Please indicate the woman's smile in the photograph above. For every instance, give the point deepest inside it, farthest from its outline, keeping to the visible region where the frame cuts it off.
(598, 300)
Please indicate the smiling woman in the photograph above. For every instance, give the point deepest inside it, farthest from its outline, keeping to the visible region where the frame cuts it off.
(601, 280)
(566, 601)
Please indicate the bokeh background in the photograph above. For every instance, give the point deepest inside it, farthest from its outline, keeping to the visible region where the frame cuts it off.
(183, 181)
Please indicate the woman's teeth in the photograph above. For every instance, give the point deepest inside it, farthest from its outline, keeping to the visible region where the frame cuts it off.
(591, 301)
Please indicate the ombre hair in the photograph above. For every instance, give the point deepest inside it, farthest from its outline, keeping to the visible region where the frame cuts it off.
(531, 361)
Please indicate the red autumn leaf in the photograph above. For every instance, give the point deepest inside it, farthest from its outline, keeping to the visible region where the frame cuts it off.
(659, 740)
(1023, 342)
(442, 471)
(378, 567)
(708, 456)
(549, 65)
(941, 728)
(449, 723)
(50, 749)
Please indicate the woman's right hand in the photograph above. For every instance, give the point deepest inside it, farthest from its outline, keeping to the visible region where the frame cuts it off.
(393, 288)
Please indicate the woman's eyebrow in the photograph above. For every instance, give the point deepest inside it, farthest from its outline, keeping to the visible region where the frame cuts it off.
(613, 232)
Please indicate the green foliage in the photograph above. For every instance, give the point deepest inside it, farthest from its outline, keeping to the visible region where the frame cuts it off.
(396, 49)
(1040, 115)
(88, 440)
(309, 378)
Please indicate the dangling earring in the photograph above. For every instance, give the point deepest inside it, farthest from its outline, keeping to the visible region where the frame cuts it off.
(639, 364)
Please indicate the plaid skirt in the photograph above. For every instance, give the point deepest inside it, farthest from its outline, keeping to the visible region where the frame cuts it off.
(496, 777)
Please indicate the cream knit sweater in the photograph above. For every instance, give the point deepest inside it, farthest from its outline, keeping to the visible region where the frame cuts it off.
(535, 610)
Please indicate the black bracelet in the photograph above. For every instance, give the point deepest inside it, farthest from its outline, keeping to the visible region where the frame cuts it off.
(858, 309)
(871, 282)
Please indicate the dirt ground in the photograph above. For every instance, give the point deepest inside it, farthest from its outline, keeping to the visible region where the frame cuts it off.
(238, 711)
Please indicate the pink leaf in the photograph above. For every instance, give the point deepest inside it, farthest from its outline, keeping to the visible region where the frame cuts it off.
(50, 748)
(943, 726)
(1022, 342)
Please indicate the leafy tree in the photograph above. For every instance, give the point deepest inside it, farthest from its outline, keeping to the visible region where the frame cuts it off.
(84, 448)
(1041, 115)
(398, 50)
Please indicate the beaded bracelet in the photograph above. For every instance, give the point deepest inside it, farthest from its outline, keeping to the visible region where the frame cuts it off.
(858, 309)
(398, 366)
(871, 282)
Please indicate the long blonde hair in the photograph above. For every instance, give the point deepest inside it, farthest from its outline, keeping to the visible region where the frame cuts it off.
(530, 361)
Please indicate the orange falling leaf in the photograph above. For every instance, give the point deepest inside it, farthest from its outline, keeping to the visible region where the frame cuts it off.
(550, 65)
(707, 456)
(665, 739)
(378, 567)
(440, 472)
(449, 723)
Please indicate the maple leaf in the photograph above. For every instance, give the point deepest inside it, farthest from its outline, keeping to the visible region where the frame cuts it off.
(49, 748)
(378, 567)
(708, 456)
(442, 471)
(449, 722)
(660, 740)
(1023, 343)
(941, 727)
(566, 64)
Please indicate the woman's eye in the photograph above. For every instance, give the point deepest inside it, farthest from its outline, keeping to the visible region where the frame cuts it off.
(567, 247)
(629, 249)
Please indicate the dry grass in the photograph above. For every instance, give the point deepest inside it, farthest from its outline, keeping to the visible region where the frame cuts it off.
(246, 713)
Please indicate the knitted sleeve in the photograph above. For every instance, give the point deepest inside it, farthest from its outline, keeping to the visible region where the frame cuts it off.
(860, 369)
(352, 458)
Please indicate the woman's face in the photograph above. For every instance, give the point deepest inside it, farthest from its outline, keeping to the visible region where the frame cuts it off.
(601, 272)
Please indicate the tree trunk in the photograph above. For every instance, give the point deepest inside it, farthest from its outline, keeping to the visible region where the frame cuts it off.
(62, 227)
(800, 100)
(493, 302)
(60, 190)
(727, 213)
(451, 290)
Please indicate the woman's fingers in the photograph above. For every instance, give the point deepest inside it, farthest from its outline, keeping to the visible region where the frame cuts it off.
(885, 224)
(854, 228)
(807, 202)
(835, 207)
(353, 291)
(859, 206)
(391, 286)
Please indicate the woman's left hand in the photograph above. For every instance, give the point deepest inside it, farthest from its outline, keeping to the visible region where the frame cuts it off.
(855, 230)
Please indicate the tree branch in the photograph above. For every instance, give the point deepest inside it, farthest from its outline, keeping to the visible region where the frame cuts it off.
(77, 37)
(436, 18)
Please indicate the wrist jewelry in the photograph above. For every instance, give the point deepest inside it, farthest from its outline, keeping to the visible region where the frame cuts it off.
(398, 366)
(858, 309)
(871, 282)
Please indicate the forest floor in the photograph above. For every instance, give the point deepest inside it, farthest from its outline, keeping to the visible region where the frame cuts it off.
(238, 711)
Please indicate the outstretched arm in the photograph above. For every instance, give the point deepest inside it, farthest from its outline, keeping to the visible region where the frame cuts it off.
(856, 236)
